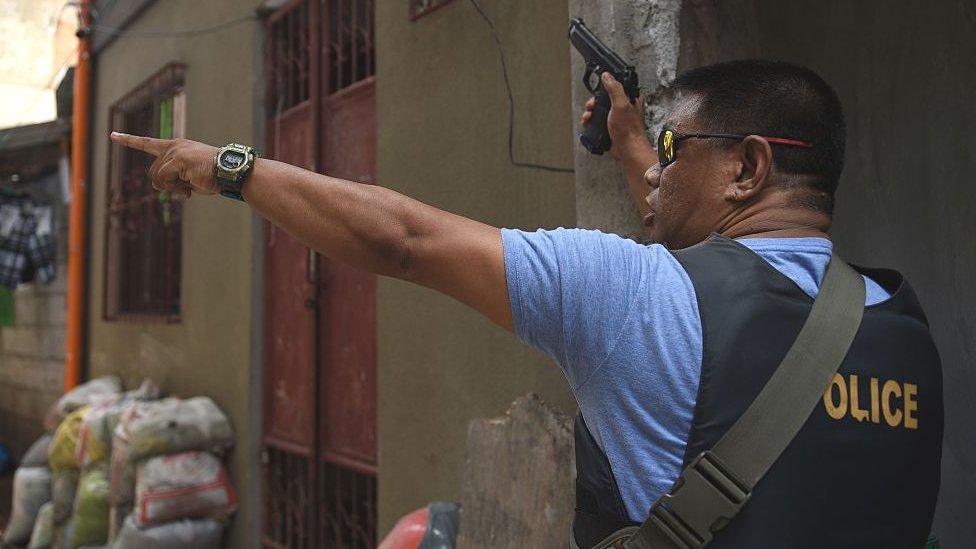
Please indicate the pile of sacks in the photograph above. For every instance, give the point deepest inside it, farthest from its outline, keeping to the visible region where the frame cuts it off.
(126, 470)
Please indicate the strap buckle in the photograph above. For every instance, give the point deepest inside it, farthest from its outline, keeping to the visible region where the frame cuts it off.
(703, 500)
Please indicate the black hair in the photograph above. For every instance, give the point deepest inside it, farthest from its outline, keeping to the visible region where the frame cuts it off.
(775, 99)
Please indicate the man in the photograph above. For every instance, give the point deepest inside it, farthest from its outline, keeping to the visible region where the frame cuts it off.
(665, 345)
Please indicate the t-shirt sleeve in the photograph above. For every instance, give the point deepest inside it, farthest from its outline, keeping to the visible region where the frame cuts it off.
(571, 291)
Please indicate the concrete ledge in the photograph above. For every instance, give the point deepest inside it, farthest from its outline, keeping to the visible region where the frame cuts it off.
(519, 479)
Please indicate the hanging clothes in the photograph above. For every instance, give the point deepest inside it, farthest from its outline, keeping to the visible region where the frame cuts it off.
(27, 246)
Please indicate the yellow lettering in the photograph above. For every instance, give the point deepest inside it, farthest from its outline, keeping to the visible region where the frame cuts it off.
(838, 410)
(875, 403)
(890, 387)
(911, 405)
(856, 411)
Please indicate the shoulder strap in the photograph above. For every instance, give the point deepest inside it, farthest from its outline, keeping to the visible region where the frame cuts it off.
(713, 487)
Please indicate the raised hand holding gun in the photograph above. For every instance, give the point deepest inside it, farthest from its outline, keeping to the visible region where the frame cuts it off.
(613, 120)
(628, 134)
(599, 60)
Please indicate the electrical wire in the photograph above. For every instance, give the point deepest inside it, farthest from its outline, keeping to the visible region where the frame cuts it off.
(511, 104)
(113, 31)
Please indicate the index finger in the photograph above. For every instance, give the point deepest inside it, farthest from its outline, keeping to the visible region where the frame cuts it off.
(615, 89)
(150, 145)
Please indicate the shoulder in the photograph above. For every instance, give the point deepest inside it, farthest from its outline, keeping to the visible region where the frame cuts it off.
(578, 241)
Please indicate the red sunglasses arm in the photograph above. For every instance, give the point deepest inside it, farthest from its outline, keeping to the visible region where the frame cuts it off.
(785, 141)
(779, 140)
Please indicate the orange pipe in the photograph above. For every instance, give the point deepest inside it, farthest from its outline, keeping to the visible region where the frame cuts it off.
(76, 229)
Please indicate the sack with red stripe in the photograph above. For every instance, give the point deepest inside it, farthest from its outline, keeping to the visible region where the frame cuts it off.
(178, 486)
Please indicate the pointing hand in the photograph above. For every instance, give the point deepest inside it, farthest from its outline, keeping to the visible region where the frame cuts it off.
(181, 166)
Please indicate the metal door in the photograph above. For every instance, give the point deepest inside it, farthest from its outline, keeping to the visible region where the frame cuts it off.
(320, 321)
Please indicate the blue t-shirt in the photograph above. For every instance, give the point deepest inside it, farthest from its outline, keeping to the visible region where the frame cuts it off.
(621, 320)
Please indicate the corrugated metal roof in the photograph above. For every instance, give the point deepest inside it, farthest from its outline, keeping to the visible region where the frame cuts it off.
(32, 135)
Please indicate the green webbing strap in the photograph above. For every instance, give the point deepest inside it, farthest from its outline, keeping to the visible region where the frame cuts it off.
(714, 486)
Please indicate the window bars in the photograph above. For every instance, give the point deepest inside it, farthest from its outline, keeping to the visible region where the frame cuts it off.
(351, 54)
(348, 48)
(143, 226)
(334, 506)
(290, 60)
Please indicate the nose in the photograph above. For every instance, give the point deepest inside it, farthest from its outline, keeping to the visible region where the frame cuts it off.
(653, 176)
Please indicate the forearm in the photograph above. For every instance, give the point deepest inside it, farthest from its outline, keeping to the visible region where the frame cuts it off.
(366, 226)
(635, 159)
(385, 232)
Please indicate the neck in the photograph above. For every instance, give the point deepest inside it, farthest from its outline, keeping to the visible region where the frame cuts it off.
(778, 221)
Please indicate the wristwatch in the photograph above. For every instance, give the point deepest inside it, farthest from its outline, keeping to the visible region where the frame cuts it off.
(232, 165)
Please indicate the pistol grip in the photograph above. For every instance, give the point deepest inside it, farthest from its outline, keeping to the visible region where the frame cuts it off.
(595, 136)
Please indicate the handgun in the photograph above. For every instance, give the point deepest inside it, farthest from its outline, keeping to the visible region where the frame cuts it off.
(599, 59)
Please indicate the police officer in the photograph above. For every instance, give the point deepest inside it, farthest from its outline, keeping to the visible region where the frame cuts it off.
(665, 345)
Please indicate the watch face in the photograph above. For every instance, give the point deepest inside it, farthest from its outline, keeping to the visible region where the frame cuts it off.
(231, 160)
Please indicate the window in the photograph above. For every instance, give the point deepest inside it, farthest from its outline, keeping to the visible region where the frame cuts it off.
(289, 61)
(351, 51)
(420, 8)
(142, 226)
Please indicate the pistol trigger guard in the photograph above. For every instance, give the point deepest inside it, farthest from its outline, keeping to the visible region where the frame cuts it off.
(587, 76)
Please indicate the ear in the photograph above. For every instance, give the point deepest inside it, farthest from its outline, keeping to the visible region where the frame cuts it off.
(755, 159)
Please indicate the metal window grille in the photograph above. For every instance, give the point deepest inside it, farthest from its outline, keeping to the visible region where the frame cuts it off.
(348, 510)
(349, 42)
(340, 515)
(290, 60)
(143, 226)
(288, 510)
(420, 8)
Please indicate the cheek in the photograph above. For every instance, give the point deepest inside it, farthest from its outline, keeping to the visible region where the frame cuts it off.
(676, 195)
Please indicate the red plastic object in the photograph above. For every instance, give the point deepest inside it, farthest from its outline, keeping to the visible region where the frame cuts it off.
(408, 532)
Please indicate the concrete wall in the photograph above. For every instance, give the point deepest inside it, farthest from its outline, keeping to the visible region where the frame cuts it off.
(443, 139)
(32, 350)
(210, 351)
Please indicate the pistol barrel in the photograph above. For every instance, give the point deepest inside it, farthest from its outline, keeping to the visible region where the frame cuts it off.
(594, 51)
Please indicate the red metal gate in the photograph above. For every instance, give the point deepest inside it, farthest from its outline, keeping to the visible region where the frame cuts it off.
(320, 320)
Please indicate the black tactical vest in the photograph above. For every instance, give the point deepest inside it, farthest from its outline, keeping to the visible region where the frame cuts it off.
(862, 472)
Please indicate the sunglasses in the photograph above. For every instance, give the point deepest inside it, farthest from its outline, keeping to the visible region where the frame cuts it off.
(668, 141)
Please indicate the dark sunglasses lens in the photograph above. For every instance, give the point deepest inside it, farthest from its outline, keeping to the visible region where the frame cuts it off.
(665, 148)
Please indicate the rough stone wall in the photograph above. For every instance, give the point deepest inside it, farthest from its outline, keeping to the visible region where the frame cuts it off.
(32, 351)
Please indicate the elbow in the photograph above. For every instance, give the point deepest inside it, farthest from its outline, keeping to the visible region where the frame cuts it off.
(397, 247)
(396, 254)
